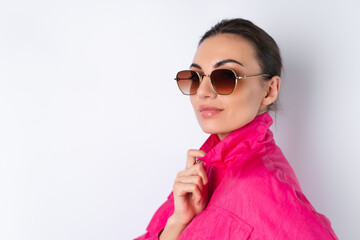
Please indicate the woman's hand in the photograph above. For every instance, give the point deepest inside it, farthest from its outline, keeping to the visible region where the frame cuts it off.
(190, 196)
(190, 189)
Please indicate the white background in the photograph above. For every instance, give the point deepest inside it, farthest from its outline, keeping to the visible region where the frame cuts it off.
(93, 128)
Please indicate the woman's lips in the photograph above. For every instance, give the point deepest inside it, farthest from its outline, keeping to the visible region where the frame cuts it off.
(209, 111)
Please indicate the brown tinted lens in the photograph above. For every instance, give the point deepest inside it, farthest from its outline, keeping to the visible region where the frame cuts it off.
(188, 81)
(223, 81)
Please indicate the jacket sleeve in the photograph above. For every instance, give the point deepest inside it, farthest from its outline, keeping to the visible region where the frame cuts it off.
(158, 221)
(215, 222)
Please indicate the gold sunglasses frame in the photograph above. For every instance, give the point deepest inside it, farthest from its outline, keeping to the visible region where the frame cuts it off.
(201, 77)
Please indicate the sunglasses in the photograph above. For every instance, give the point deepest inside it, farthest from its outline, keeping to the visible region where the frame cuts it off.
(223, 81)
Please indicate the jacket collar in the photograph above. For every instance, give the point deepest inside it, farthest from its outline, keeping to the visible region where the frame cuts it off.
(241, 141)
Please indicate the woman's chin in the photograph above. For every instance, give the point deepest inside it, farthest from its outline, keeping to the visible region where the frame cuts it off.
(211, 130)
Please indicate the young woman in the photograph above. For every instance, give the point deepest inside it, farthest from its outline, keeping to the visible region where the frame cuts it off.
(238, 185)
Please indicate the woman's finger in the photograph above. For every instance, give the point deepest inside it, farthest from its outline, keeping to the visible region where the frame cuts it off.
(197, 169)
(181, 189)
(192, 154)
(192, 179)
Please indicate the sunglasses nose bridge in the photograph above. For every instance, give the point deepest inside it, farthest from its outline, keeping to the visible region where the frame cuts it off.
(202, 76)
(205, 88)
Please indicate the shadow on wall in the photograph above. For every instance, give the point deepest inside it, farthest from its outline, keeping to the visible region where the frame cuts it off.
(296, 100)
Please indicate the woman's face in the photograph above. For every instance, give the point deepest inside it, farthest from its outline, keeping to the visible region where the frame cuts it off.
(222, 114)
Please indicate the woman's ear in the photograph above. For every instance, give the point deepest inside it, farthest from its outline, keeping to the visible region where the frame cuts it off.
(272, 88)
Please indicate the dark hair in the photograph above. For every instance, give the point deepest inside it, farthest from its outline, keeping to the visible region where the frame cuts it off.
(267, 51)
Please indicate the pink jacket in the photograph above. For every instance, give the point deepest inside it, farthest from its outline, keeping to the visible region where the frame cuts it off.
(254, 192)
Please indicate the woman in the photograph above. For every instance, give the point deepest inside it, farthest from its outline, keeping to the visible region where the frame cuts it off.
(238, 185)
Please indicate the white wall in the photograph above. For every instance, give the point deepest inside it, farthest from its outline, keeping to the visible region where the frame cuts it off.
(93, 129)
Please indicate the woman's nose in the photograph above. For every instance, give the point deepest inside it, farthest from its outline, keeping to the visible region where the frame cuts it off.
(205, 89)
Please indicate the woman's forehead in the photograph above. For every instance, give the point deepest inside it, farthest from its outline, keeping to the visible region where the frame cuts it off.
(225, 46)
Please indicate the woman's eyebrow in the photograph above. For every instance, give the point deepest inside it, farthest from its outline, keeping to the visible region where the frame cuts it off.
(222, 62)
(218, 64)
(195, 65)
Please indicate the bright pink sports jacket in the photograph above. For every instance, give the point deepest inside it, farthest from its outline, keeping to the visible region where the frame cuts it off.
(254, 193)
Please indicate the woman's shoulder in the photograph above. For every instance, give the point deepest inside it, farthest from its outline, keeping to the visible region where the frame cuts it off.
(266, 195)
(265, 179)
(264, 169)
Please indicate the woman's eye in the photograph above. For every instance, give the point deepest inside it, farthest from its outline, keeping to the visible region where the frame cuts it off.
(227, 75)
